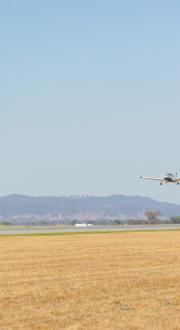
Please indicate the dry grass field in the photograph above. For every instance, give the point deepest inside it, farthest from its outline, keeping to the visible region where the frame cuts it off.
(88, 282)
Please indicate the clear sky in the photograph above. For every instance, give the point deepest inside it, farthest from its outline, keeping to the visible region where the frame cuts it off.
(89, 96)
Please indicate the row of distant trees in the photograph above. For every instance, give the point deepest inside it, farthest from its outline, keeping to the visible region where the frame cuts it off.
(151, 217)
(154, 217)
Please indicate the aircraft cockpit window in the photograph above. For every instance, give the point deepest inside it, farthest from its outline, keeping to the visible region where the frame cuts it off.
(169, 175)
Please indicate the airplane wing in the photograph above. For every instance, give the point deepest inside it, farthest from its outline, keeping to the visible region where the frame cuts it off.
(152, 178)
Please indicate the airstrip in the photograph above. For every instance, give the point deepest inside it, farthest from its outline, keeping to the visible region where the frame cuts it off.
(71, 229)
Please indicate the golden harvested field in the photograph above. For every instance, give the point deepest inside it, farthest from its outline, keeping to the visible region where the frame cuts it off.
(88, 282)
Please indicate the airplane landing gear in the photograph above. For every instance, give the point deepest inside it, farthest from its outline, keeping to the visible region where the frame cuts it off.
(178, 183)
(160, 183)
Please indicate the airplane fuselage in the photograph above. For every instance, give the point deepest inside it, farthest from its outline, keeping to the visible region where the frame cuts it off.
(167, 178)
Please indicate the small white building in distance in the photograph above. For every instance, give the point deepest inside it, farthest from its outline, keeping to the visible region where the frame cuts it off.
(83, 225)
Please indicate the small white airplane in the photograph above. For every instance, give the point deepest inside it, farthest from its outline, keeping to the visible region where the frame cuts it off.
(168, 177)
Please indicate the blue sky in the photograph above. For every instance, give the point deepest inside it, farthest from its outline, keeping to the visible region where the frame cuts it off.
(89, 97)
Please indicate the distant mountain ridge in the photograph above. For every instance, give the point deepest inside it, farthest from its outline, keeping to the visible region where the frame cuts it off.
(115, 206)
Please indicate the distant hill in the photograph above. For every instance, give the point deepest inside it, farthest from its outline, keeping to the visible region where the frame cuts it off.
(82, 207)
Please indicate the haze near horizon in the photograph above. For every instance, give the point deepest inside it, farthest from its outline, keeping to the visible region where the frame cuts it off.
(89, 97)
